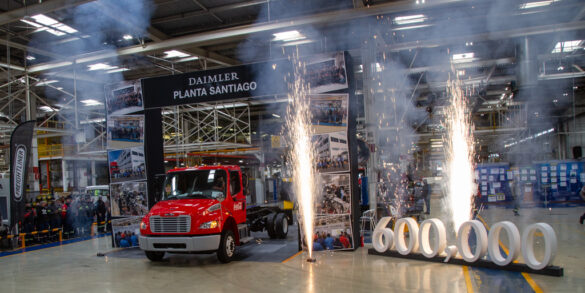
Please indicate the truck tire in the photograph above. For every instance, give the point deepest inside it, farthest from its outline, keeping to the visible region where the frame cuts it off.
(227, 246)
(155, 255)
(281, 225)
(270, 225)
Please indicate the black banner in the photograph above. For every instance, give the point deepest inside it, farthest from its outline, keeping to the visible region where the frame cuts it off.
(252, 80)
(20, 149)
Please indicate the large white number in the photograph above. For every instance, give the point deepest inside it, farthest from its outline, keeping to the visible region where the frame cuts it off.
(439, 242)
(494, 243)
(412, 233)
(550, 245)
(383, 238)
(463, 241)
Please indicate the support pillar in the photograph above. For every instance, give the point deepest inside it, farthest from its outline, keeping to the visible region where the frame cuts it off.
(65, 176)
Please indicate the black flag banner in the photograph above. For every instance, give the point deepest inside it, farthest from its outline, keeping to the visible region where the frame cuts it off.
(20, 150)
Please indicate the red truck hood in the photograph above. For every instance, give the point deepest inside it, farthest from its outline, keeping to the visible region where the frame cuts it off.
(179, 207)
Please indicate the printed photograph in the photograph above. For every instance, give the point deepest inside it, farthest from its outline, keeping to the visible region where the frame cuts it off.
(126, 232)
(125, 131)
(128, 199)
(127, 164)
(332, 152)
(332, 232)
(326, 73)
(124, 98)
(335, 195)
(329, 113)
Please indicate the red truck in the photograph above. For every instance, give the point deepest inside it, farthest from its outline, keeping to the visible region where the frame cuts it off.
(203, 210)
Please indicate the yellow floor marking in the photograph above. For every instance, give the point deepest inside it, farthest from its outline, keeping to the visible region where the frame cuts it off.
(532, 284)
(467, 279)
(295, 255)
(526, 276)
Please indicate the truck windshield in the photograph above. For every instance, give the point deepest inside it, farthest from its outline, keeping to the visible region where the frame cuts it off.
(195, 184)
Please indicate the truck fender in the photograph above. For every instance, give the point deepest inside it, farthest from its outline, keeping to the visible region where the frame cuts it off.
(230, 223)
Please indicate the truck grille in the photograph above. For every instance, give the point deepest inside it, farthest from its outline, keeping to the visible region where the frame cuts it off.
(180, 224)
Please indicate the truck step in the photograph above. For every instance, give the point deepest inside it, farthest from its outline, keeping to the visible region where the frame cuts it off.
(246, 239)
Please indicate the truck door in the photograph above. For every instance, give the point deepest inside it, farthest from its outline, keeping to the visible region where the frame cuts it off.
(237, 193)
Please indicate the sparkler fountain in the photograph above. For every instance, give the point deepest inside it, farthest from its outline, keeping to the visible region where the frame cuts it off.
(298, 123)
(459, 156)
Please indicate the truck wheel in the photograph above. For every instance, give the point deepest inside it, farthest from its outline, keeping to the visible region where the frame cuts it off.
(271, 226)
(281, 225)
(155, 255)
(227, 247)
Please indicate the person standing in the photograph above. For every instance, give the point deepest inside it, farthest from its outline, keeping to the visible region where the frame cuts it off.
(582, 194)
(426, 195)
(516, 192)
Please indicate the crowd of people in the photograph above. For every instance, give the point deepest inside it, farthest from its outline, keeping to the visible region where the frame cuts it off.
(73, 214)
(125, 100)
(129, 203)
(339, 162)
(126, 239)
(331, 113)
(324, 241)
(131, 133)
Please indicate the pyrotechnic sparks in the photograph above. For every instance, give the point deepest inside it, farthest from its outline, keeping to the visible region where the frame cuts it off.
(459, 154)
(298, 122)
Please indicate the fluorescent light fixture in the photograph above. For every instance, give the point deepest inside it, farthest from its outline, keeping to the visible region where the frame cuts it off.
(567, 46)
(175, 54)
(46, 82)
(463, 57)
(288, 36)
(535, 4)
(410, 27)
(188, 59)
(276, 115)
(91, 102)
(48, 109)
(30, 57)
(101, 66)
(127, 37)
(409, 19)
(48, 24)
(117, 70)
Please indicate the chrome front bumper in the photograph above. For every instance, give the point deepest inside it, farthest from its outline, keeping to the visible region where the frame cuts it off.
(180, 244)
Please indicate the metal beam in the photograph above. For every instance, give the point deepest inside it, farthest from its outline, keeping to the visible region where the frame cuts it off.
(158, 36)
(208, 11)
(41, 8)
(226, 35)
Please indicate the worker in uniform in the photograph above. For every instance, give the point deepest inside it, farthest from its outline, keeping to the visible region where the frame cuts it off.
(100, 212)
(43, 216)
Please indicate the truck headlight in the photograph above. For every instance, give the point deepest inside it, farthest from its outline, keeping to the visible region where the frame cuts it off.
(142, 225)
(208, 225)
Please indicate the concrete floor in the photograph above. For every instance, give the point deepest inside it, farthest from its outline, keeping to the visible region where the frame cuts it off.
(76, 268)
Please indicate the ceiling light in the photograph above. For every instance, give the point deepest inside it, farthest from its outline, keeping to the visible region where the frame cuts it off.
(460, 72)
(91, 102)
(188, 59)
(117, 70)
(46, 82)
(410, 27)
(175, 54)
(464, 57)
(48, 109)
(48, 24)
(127, 37)
(288, 36)
(276, 115)
(30, 57)
(409, 19)
(100, 66)
(567, 46)
(529, 5)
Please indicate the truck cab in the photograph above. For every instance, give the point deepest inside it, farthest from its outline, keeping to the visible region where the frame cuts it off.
(201, 210)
